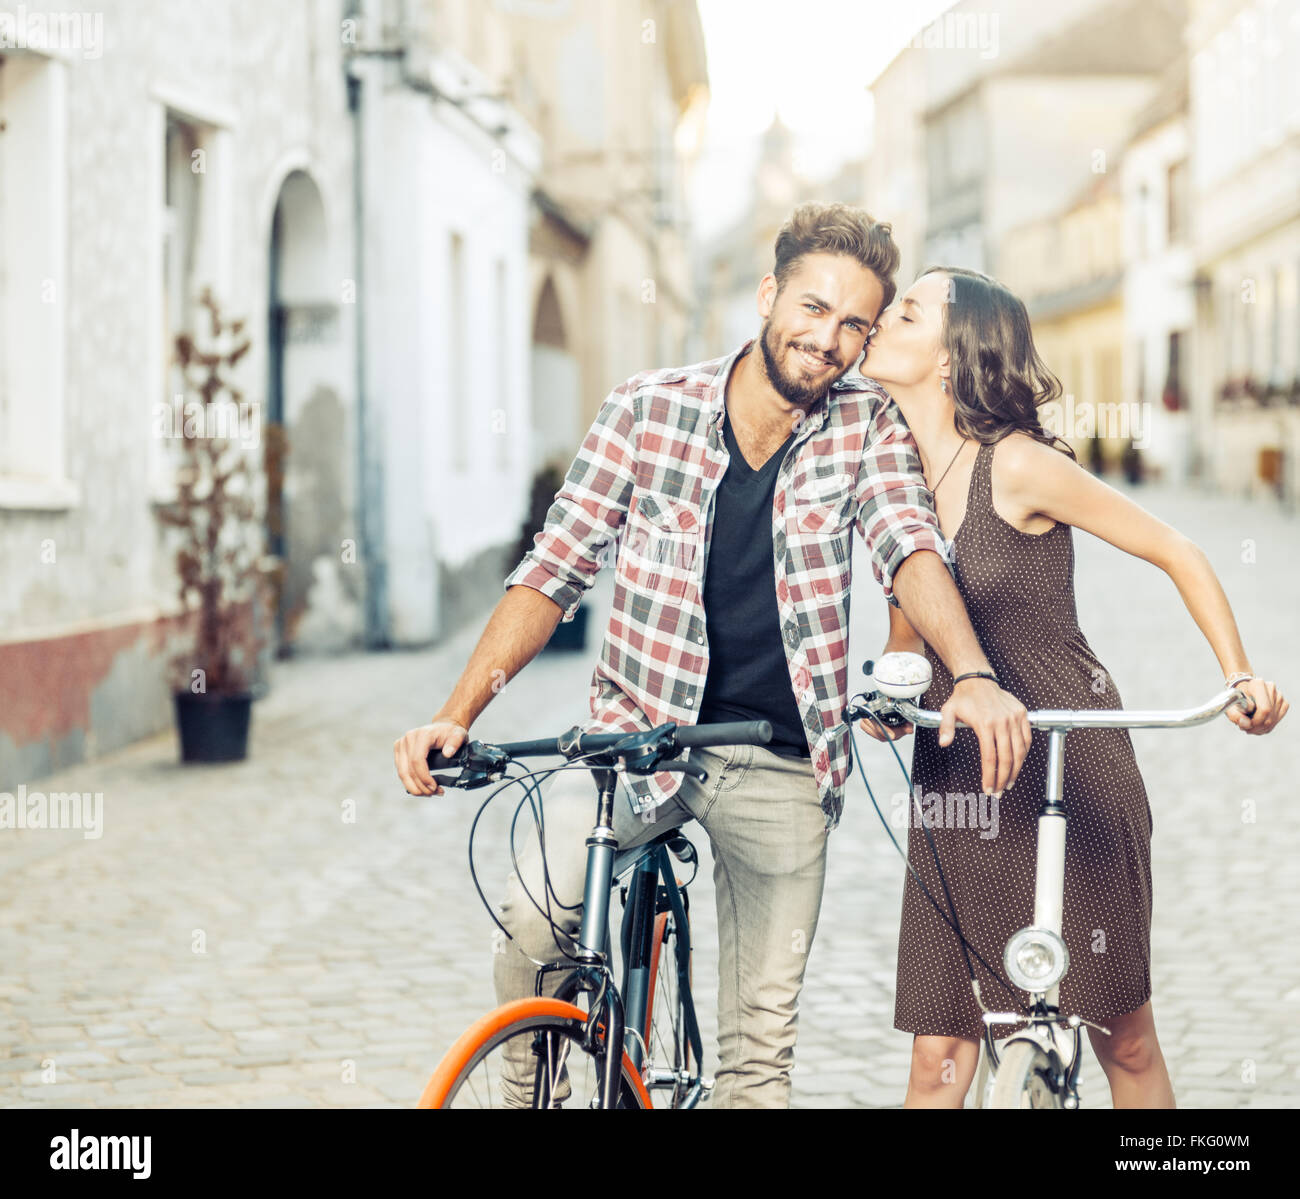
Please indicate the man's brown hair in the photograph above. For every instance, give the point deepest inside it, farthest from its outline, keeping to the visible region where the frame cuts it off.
(837, 229)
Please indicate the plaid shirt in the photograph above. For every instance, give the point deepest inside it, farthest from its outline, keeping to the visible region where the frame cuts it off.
(644, 478)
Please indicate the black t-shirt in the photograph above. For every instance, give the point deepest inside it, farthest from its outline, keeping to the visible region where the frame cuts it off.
(749, 676)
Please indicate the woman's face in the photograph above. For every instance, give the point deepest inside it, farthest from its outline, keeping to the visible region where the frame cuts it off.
(905, 346)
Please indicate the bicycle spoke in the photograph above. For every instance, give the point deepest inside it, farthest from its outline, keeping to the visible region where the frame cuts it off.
(667, 1048)
(473, 1085)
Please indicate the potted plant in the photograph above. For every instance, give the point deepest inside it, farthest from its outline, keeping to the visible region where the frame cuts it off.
(221, 564)
(570, 636)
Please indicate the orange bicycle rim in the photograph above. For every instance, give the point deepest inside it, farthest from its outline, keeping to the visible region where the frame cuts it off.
(468, 1044)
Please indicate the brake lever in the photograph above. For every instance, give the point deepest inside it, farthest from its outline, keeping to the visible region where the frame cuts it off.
(875, 707)
(480, 764)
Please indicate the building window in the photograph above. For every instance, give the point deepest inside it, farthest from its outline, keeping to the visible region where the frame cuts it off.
(180, 231)
(1173, 393)
(33, 299)
(1177, 207)
(1227, 318)
(1245, 313)
(1275, 329)
(1143, 205)
(457, 352)
(189, 265)
(502, 358)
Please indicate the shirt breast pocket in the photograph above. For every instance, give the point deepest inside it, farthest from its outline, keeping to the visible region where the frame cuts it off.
(659, 545)
(820, 539)
(824, 504)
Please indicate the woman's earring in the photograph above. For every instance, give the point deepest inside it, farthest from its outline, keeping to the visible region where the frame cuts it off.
(943, 386)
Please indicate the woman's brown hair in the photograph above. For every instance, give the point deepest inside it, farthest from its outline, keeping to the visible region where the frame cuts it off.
(996, 378)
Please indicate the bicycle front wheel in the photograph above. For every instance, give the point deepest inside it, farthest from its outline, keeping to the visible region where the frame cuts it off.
(527, 1054)
(668, 1050)
(1027, 1077)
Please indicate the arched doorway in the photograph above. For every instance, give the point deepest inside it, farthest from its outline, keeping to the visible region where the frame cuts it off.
(306, 434)
(555, 383)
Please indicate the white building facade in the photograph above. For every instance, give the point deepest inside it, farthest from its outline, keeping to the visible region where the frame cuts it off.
(1244, 98)
(322, 168)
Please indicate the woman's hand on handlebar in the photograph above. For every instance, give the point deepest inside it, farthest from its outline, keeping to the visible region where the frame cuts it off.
(1270, 707)
(411, 754)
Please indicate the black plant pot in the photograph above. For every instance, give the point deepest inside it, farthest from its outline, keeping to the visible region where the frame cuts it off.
(213, 728)
(570, 636)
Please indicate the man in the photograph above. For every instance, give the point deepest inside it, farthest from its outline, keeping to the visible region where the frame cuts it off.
(734, 487)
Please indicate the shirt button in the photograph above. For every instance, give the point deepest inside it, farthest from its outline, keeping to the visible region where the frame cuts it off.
(700, 640)
(689, 702)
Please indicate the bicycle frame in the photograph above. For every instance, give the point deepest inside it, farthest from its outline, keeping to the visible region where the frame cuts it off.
(1043, 1019)
(616, 1010)
(607, 754)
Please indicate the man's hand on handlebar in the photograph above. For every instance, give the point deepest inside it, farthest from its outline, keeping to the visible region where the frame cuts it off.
(884, 732)
(1000, 721)
(411, 754)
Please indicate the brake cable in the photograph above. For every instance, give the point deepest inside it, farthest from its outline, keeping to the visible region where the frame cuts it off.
(955, 924)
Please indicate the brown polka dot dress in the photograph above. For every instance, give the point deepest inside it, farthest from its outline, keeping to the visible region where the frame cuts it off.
(1019, 591)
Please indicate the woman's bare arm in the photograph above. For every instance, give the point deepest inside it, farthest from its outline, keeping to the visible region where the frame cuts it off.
(1034, 478)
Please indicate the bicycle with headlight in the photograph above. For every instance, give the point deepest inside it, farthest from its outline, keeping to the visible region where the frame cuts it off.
(1038, 1065)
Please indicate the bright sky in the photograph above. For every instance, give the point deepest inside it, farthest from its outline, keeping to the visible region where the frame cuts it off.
(808, 60)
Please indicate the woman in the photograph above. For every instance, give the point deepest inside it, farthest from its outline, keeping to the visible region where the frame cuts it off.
(957, 355)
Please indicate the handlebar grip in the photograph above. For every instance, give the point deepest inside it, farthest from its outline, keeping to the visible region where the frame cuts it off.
(737, 732)
(438, 762)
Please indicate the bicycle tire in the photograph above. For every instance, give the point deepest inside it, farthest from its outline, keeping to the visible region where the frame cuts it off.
(1024, 1078)
(510, 1020)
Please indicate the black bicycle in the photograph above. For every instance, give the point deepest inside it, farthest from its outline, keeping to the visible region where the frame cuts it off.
(550, 1052)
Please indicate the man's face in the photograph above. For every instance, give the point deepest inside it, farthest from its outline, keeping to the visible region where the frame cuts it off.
(815, 328)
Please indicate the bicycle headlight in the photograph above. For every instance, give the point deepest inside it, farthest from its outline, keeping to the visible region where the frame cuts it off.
(1036, 959)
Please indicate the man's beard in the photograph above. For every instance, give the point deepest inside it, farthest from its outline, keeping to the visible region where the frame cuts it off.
(790, 389)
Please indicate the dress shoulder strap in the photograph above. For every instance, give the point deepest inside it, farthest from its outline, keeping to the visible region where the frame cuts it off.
(979, 499)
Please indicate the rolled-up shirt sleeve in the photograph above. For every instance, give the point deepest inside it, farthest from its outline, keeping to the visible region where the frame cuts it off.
(895, 511)
(588, 511)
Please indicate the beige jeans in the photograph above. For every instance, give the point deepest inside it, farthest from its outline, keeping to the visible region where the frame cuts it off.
(765, 823)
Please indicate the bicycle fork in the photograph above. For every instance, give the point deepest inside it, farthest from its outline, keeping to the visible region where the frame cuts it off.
(1049, 897)
(1049, 902)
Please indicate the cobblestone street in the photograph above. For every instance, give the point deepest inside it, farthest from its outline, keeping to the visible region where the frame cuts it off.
(294, 930)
